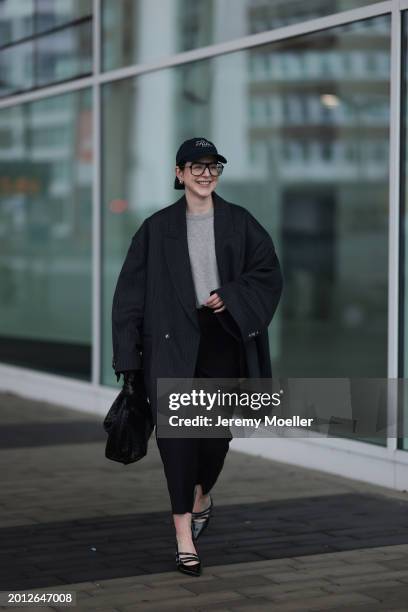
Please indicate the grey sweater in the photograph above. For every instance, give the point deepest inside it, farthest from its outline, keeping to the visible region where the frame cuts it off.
(201, 247)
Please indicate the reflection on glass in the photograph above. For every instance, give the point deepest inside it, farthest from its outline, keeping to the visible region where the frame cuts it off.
(53, 13)
(45, 235)
(136, 31)
(22, 18)
(16, 20)
(51, 58)
(304, 126)
(16, 68)
(65, 54)
(43, 58)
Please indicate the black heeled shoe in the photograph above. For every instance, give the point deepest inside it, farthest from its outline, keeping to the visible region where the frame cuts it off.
(191, 570)
(198, 526)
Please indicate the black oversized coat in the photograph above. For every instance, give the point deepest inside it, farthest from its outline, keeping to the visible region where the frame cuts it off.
(154, 319)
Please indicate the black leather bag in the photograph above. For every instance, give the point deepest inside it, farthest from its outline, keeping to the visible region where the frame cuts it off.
(129, 425)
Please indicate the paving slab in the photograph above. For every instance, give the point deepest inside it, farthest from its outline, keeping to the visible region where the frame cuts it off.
(281, 537)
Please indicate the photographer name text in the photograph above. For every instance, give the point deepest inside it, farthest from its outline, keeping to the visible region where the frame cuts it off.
(273, 421)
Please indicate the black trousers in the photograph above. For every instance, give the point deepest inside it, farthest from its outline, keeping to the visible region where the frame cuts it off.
(191, 461)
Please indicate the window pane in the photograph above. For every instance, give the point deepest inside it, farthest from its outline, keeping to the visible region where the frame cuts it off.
(64, 55)
(136, 31)
(16, 20)
(16, 68)
(305, 131)
(21, 18)
(53, 13)
(51, 58)
(44, 59)
(45, 235)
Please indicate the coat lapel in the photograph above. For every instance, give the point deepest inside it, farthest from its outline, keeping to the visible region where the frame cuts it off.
(227, 250)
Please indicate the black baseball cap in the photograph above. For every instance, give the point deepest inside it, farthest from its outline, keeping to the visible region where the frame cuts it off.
(193, 149)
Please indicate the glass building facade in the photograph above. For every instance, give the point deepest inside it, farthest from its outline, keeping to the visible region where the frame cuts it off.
(308, 102)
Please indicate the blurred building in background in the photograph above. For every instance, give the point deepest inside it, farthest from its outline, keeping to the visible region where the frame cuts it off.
(307, 102)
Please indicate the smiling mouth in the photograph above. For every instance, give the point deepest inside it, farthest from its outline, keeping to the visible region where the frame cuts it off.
(204, 182)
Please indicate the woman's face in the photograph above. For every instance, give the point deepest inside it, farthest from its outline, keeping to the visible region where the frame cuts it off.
(200, 186)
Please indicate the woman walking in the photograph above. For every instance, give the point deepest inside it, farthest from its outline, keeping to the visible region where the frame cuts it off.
(198, 288)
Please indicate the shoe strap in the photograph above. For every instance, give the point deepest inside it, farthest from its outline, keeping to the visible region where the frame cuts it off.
(203, 513)
(190, 557)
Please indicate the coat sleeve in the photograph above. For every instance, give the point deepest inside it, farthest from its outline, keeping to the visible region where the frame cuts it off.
(128, 306)
(253, 297)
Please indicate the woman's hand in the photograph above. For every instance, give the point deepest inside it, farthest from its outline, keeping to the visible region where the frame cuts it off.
(215, 302)
(132, 379)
